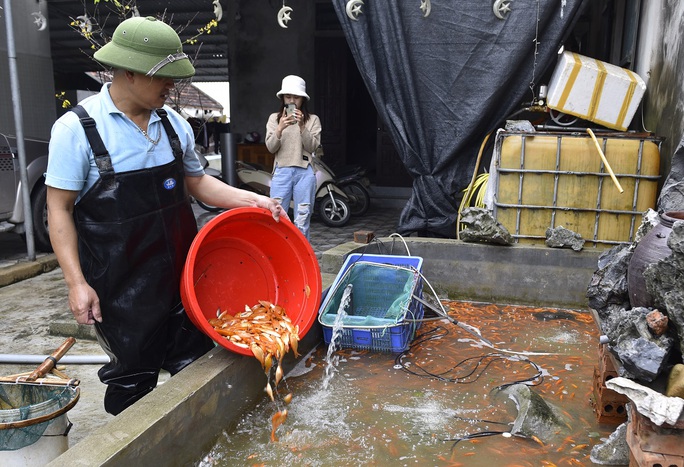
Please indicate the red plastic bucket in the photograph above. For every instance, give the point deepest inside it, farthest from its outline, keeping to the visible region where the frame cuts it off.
(242, 256)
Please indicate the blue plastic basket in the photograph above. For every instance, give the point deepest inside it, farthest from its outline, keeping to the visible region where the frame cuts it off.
(383, 315)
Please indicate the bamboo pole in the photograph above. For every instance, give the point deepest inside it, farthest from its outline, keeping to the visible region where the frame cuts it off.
(51, 360)
(605, 161)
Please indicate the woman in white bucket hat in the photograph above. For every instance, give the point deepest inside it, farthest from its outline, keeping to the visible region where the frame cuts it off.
(293, 135)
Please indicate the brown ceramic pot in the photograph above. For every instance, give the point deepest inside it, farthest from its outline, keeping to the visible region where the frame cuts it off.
(652, 248)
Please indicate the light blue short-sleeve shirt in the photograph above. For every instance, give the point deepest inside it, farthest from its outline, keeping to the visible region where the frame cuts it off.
(71, 164)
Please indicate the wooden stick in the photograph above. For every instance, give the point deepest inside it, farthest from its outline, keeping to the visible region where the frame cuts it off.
(40, 381)
(605, 161)
(49, 363)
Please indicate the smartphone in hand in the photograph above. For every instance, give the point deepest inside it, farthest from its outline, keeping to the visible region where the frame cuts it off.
(289, 109)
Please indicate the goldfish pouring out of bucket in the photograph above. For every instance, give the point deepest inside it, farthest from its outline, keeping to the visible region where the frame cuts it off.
(268, 332)
(246, 246)
(265, 329)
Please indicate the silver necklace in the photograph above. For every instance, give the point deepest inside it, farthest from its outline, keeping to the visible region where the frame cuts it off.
(144, 133)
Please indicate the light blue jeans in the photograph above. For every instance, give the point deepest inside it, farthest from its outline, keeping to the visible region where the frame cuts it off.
(298, 184)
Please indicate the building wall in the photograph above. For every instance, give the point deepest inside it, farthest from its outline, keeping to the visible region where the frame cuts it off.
(660, 62)
(34, 70)
(260, 54)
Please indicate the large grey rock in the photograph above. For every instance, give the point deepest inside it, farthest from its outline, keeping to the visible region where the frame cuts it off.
(664, 281)
(560, 237)
(643, 355)
(535, 416)
(615, 319)
(480, 226)
(674, 304)
(614, 451)
(664, 276)
(608, 285)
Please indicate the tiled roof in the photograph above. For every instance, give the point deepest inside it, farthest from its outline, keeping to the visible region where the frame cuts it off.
(187, 97)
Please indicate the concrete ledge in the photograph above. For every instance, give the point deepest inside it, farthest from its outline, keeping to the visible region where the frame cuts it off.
(179, 421)
(515, 274)
(26, 269)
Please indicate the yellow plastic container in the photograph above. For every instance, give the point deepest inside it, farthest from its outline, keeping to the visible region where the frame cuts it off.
(547, 180)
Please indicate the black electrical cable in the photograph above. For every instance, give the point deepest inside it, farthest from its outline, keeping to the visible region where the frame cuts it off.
(439, 332)
(529, 381)
(480, 420)
(479, 434)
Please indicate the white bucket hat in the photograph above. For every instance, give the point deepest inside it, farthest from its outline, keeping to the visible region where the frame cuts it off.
(294, 85)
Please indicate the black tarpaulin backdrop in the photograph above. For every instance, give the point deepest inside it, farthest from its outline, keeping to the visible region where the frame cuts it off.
(441, 83)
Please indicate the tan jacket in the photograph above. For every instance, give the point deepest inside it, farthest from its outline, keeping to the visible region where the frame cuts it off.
(293, 144)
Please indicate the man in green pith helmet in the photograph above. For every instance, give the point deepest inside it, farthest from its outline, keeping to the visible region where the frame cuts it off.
(120, 168)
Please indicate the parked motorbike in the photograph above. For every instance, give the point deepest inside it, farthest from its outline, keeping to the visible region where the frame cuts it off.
(353, 180)
(332, 203)
(355, 183)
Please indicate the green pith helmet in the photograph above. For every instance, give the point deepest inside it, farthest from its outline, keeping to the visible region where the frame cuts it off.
(147, 46)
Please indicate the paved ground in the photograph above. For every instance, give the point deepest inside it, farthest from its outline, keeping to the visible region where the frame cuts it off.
(35, 317)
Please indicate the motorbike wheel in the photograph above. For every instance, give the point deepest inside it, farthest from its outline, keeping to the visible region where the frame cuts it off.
(208, 207)
(41, 234)
(334, 214)
(359, 198)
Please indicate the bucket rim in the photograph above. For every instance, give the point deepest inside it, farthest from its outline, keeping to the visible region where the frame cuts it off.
(190, 301)
(46, 417)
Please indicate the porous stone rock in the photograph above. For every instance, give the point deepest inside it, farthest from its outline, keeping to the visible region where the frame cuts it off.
(649, 219)
(674, 304)
(664, 281)
(664, 276)
(676, 238)
(607, 290)
(560, 237)
(480, 226)
(672, 194)
(614, 451)
(535, 416)
(520, 125)
(642, 355)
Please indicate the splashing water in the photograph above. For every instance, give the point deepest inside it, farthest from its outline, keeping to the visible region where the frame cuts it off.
(331, 360)
(375, 414)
